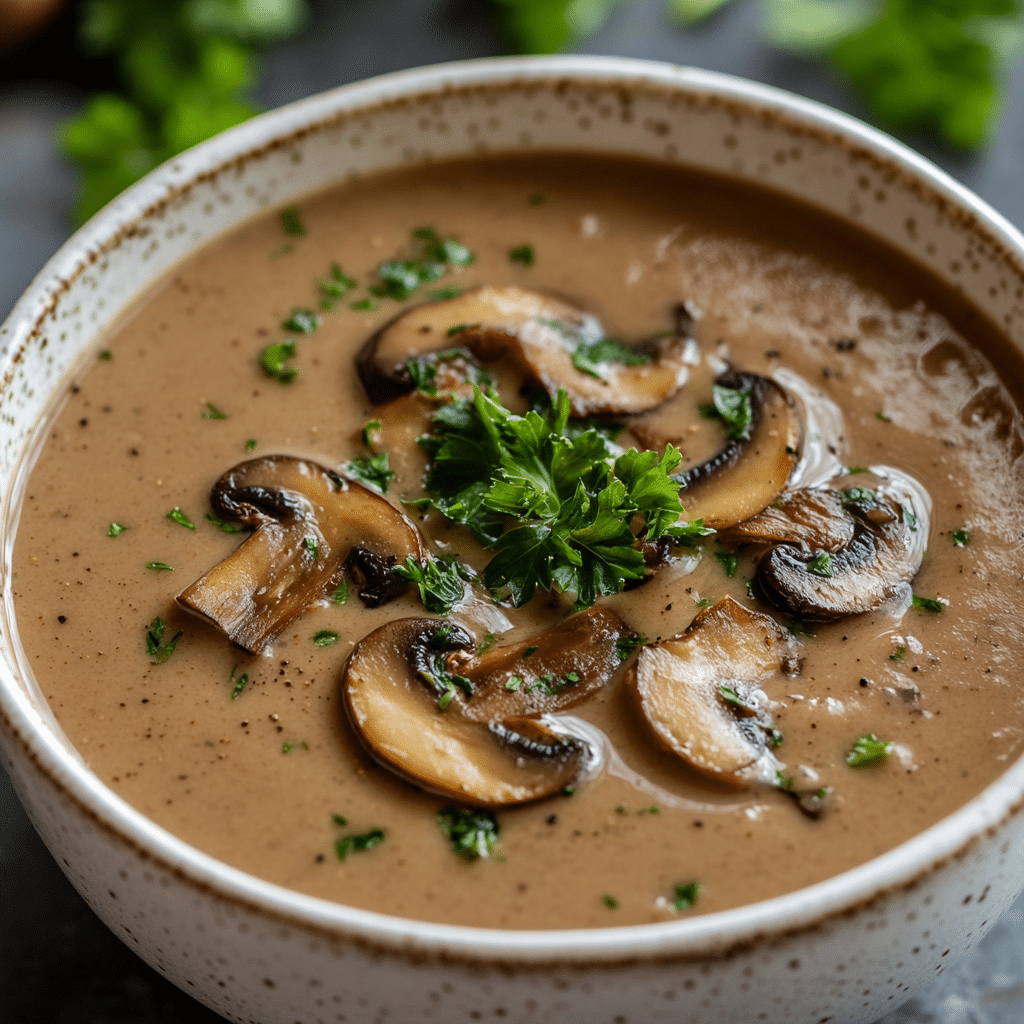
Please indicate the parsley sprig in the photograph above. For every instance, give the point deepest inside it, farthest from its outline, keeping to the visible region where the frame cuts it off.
(577, 510)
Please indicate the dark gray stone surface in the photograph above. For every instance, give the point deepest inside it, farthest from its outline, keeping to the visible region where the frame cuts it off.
(58, 963)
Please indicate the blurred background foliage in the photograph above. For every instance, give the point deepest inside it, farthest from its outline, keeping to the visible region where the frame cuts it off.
(175, 72)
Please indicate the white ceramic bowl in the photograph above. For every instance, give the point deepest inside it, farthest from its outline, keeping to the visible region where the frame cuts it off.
(845, 950)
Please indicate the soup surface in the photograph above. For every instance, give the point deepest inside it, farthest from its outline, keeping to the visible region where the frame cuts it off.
(252, 757)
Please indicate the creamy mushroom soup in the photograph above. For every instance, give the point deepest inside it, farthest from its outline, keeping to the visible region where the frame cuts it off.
(355, 557)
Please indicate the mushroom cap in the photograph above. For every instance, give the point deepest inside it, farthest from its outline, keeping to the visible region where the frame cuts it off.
(810, 518)
(745, 476)
(678, 685)
(538, 332)
(882, 557)
(306, 520)
(395, 713)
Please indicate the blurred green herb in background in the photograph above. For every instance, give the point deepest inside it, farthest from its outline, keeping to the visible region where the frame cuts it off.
(185, 67)
(933, 66)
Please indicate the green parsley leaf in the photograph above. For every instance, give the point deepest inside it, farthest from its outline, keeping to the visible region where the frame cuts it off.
(373, 470)
(302, 321)
(273, 358)
(532, 649)
(211, 412)
(443, 294)
(546, 26)
(336, 286)
(730, 562)
(734, 408)
(363, 305)
(899, 653)
(821, 565)
(250, 444)
(610, 901)
(868, 752)
(287, 748)
(312, 546)
(159, 652)
(371, 433)
(537, 199)
(487, 643)
(514, 682)
(291, 222)
(883, 417)
(115, 529)
(160, 566)
(797, 628)
(325, 637)
(523, 254)
(472, 832)
(237, 682)
(340, 820)
(440, 581)
(685, 896)
(180, 518)
(587, 358)
(909, 518)
(340, 596)
(854, 470)
(852, 494)
(961, 538)
(106, 354)
(626, 646)
(398, 279)
(358, 843)
(928, 604)
(221, 525)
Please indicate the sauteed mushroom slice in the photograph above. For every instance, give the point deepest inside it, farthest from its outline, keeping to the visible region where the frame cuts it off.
(697, 691)
(810, 518)
(391, 689)
(746, 475)
(546, 336)
(307, 522)
(546, 672)
(880, 560)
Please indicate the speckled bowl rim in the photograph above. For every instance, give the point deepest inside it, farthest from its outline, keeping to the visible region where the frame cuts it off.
(712, 934)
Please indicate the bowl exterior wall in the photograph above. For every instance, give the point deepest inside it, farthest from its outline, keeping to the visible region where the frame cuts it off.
(255, 962)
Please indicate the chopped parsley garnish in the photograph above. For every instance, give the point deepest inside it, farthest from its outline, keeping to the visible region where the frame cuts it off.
(821, 565)
(574, 502)
(775, 738)
(487, 643)
(359, 843)
(868, 752)
(853, 494)
(337, 286)
(514, 683)
(471, 831)
(160, 566)
(730, 562)
(302, 321)
(237, 682)
(899, 653)
(706, 602)
(883, 417)
(452, 291)
(398, 279)
(115, 529)
(685, 896)
(610, 901)
(106, 354)
(854, 470)
(363, 305)
(730, 696)
(797, 628)
(325, 637)
(625, 646)
(784, 781)
(371, 433)
(734, 408)
(961, 538)
(536, 199)
(221, 525)
(532, 649)
(273, 358)
(287, 748)
(523, 254)
(339, 819)
(440, 581)
(158, 651)
(180, 518)
(250, 444)
(587, 358)
(211, 412)
(291, 222)
(312, 546)
(909, 518)
(928, 604)
(568, 791)
(340, 596)
(373, 470)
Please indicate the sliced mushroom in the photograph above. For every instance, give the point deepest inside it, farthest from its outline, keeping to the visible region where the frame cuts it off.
(546, 672)
(699, 691)
(392, 686)
(878, 563)
(745, 476)
(540, 333)
(307, 521)
(810, 518)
